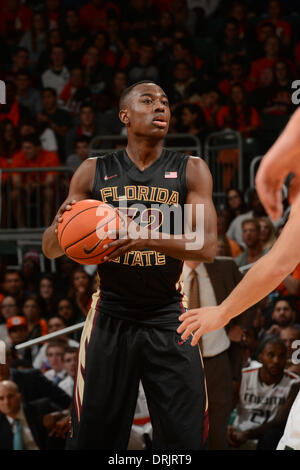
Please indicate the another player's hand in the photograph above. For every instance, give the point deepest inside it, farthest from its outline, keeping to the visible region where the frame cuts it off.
(200, 321)
(66, 207)
(129, 237)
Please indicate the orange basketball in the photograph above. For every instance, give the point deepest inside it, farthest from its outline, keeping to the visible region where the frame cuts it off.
(83, 231)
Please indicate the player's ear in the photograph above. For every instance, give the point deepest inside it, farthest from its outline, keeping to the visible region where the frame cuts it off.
(123, 116)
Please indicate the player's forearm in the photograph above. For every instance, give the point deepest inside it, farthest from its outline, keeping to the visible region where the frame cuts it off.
(50, 245)
(184, 248)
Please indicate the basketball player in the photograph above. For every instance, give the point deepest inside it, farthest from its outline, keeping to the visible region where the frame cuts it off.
(271, 269)
(130, 332)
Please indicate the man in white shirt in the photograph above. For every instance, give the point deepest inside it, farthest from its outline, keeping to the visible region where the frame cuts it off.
(70, 366)
(55, 351)
(215, 282)
(57, 75)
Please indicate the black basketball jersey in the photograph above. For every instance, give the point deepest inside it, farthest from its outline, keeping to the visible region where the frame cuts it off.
(143, 285)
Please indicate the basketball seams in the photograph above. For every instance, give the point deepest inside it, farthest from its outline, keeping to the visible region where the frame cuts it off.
(73, 217)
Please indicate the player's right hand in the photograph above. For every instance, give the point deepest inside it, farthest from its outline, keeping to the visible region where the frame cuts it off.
(65, 207)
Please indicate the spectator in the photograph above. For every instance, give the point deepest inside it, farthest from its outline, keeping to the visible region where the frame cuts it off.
(74, 93)
(47, 295)
(94, 15)
(57, 75)
(34, 40)
(234, 204)
(267, 232)
(54, 324)
(280, 98)
(263, 395)
(116, 40)
(20, 61)
(223, 248)
(290, 335)
(251, 239)
(81, 290)
(52, 11)
(261, 96)
(145, 68)
(250, 341)
(46, 135)
(12, 110)
(184, 86)
(192, 120)
(30, 270)
(237, 76)
(54, 352)
(283, 315)
(272, 50)
(9, 140)
(13, 284)
(210, 104)
(97, 75)
(223, 239)
(230, 45)
(59, 120)
(70, 366)
(18, 333)
(139, 16)
(88, 126)
(81, 153)
(283, 28)
(239, 114)
(54, 38)
(32, 155)
(130, 54)
(15, 18)
(36, 325)
(8, 308)
(66, 309)
(108, 57)
(27, 96)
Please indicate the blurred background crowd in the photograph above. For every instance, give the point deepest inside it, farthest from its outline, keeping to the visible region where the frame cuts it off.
(224, 65)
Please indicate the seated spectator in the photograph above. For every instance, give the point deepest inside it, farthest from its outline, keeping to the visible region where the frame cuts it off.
(183, 51)
(267, 232)
(70, 366)
(21, 424)
(115, 36)
(20, 61)
(283, 315)
(9, 141)
(237, 76)
(184, 84)
(251, 238)
(239, 114)
(15, 18)
(89, 126)
(289, 335)
(47, 295)
(36, 325)
(54, 353)
(229, 46)
(46, 135)
(108, 57)
(145, 68)
(30, 270)
(34, 40)
(8, 308)
(81, 153)
(32, 155)
(223, 239)
(68, 311)
(13, 285)
(54, 38)
(210, 104)
(18, 333)
(12, 110)
(192, 120)
(94, 15)
(139, 16)
(280, 98)
(261, 96)
(81, 290)
(130, 54)
(264, 398)
(74, 93)
(283, 28)
(250, 341)
(52, 11)
(27, 96)
(57, 75)
(54, 324)
(97, 75)
(59, 120)
(234, 203)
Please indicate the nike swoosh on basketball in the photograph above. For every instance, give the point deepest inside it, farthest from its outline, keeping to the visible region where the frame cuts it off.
(90, 250)
(109, 177)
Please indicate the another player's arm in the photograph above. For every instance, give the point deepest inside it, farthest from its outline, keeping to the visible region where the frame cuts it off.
(259, 281)
(80, 188)
(199, 187)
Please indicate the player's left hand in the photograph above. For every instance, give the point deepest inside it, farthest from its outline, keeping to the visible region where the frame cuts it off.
(129, 237)
(199, 321)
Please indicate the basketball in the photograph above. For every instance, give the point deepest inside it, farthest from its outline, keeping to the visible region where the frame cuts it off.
(83, 231)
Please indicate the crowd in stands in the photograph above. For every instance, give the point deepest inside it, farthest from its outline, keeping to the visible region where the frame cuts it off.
(223, 64)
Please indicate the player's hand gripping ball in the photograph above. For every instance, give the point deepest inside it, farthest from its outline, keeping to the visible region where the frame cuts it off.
(84, 230)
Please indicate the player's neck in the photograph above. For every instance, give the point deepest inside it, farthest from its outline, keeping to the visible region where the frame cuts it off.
(267, 378)
(143, 153)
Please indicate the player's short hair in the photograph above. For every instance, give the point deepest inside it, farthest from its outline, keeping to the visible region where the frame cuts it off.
(129, 89)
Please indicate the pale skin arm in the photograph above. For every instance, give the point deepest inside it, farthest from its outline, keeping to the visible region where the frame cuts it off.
(80, 188)
(260, 280)
(279, 161)
(199, 185)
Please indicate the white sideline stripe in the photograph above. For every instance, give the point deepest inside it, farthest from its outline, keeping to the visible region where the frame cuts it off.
(41, 339)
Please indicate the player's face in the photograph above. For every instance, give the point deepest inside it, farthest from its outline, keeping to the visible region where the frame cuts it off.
(147, 112)
(282, 314)
(273, 358)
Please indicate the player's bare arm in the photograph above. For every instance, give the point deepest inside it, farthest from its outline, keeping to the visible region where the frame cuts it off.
(260, 280)
(199, 186)
(279, 161)
(80, 188)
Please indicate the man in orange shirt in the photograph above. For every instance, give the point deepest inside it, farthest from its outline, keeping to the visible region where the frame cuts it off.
(27, 186)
